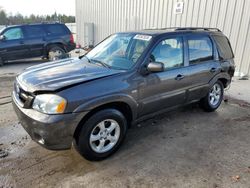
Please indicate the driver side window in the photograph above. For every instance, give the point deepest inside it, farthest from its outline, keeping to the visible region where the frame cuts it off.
(169, 52)
(14, 33)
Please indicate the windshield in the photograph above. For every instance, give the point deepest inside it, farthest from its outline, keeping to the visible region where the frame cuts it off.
(119, 51)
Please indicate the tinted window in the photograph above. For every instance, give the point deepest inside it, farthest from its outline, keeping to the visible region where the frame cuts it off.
(169, 52)
(35, 31)
(200, 49)
(224, 47)
(56, 29)
(14, 33)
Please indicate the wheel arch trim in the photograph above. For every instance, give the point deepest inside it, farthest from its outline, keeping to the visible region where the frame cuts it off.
(221, 76)
(106, 100)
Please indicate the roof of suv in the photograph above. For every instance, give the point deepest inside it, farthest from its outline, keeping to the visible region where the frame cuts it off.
(34, 24)
(177, 30)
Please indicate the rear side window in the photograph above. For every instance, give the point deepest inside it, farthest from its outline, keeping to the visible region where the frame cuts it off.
(224, 47)
(35, 31)
(200, 49)
(56, 29)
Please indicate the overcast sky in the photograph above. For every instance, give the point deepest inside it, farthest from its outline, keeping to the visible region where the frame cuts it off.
(39, 7)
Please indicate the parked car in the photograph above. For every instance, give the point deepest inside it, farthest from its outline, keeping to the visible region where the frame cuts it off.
(46, 40)
(125, 79)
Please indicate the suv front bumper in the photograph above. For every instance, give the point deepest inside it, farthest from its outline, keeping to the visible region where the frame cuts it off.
(53, 132)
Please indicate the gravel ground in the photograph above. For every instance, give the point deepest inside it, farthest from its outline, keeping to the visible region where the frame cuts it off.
(183, 148)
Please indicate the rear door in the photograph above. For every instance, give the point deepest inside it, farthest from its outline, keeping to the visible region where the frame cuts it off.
(13, 46)
(165, 89)
(35, 37)
(57, 33)
(203, 64)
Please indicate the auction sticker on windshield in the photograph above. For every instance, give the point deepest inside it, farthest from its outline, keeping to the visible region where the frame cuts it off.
(143, 37)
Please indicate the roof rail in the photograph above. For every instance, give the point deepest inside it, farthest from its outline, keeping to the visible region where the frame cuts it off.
(165, 28)
(42, 22)
(50, 22)
(198, 28)
(187, 28)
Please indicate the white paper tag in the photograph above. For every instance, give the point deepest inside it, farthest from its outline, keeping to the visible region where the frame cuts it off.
(143, 37)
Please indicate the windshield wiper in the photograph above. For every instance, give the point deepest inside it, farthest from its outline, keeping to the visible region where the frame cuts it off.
(101, 63)
(85, 57)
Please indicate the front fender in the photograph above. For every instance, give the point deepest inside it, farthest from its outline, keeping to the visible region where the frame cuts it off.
(92, 104)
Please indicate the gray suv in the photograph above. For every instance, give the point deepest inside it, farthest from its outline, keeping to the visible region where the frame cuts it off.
(91, 101)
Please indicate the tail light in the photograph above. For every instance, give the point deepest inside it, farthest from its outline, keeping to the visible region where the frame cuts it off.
(78, 46)
(71, 38)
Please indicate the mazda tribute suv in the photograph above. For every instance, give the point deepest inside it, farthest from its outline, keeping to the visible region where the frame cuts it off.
(91, 101)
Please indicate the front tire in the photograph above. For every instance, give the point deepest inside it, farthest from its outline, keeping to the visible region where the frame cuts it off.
(102, 134)
(214, 97)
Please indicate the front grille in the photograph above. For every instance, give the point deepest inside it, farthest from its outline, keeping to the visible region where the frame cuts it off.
(24, 97)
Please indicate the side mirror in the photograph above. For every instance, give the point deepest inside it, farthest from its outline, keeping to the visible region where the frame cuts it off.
(2, 37)
(155, 67)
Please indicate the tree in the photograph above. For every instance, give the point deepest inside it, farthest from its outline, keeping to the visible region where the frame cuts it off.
(3, 17)
(20, 19)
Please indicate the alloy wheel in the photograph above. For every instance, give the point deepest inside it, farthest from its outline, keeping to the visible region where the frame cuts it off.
(104, 136)
(215, 94)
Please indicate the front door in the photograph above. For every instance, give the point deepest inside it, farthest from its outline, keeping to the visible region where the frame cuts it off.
(165, 89)
(13, 45)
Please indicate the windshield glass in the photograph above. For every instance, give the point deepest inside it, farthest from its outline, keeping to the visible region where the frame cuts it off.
(119, 51)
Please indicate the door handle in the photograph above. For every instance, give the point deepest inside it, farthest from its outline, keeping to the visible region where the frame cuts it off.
(21, 42)
(213, 69)
(179, 77)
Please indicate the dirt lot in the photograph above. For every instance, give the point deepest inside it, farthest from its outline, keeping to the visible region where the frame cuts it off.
(183, 148)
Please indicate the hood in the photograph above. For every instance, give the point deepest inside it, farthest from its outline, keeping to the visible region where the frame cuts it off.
(59, 74)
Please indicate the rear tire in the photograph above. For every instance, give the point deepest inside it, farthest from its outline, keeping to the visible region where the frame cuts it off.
(214, 97)
(102, 134)
(55, 52)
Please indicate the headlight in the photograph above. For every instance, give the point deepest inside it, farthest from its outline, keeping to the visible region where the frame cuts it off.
(49, 104)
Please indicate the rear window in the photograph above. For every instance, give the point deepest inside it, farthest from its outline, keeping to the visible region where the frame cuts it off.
(34, 31)
(200, 49)
(56, 29)
(224, 47)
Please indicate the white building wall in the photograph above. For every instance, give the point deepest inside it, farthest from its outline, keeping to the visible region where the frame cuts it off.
(230, 16)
